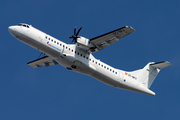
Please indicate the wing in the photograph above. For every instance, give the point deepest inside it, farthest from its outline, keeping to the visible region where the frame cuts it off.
(109, 38)
(44, 61)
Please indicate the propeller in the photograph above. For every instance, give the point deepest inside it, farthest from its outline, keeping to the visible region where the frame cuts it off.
(75, 36)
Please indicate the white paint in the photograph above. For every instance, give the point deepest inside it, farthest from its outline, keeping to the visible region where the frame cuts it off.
(84, 62)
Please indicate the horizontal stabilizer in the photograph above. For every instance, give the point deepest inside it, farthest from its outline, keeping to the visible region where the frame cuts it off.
(160, 65)
(44, 61)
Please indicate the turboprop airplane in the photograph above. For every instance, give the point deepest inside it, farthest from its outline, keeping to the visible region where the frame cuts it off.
(78, 57)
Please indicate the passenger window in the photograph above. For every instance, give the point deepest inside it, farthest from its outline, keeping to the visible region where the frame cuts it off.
(101, 65)
(104, 66)
(90, 59)
(107, 68)
(93, 60)
(116, 72)
(113, 71)
(58, 43)
(110, 69)
(81, 54)
(78, 53)
(54, 41)
(49, 39)
(69, 49)
(66, 47)
(96, 62)
(63, 46)
(46, 37)
(86, 57)
(72, 50)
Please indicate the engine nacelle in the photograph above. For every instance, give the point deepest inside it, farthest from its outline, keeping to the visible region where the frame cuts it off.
(84, 43)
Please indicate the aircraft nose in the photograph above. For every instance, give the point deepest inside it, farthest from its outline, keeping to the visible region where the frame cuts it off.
(12, 30)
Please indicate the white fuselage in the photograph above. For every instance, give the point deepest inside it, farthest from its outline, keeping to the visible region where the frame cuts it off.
(74, 58)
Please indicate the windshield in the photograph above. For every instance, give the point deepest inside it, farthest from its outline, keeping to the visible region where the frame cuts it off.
(24, 25)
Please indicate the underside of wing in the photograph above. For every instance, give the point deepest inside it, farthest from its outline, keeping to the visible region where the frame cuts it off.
(109, 38)
(44, 61)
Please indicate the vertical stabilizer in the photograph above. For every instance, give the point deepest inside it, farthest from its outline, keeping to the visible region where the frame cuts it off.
(147, 75)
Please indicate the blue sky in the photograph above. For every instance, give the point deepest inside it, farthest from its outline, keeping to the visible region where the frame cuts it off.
(57, 93)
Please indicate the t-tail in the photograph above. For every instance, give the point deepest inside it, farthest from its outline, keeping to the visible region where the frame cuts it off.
(147, 75)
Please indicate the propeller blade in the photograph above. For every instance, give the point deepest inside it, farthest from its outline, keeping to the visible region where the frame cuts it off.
(75, 36)
(75, 31)
(72, 41)
(78, 31)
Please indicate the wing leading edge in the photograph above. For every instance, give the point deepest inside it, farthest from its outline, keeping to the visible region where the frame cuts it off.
(109, 38)
(44, 61)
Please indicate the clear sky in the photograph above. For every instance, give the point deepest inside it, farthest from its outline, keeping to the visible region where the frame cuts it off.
(51, 93)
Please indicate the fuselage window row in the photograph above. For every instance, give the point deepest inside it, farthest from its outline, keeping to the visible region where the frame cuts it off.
(82, 55)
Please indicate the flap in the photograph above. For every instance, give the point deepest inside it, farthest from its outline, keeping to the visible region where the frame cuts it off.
(44, 61)
(109, 38)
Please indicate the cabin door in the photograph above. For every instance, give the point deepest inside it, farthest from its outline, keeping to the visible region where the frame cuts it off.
(121, 77)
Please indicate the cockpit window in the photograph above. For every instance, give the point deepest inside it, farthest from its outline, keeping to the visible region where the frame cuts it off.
(24, 25)
(19, 24)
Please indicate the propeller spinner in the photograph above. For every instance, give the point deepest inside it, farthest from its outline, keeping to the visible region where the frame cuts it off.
(75, 36)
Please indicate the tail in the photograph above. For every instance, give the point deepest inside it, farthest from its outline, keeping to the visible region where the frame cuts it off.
(147, 75)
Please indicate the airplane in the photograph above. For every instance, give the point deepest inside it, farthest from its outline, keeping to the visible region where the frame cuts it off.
(78, 57)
